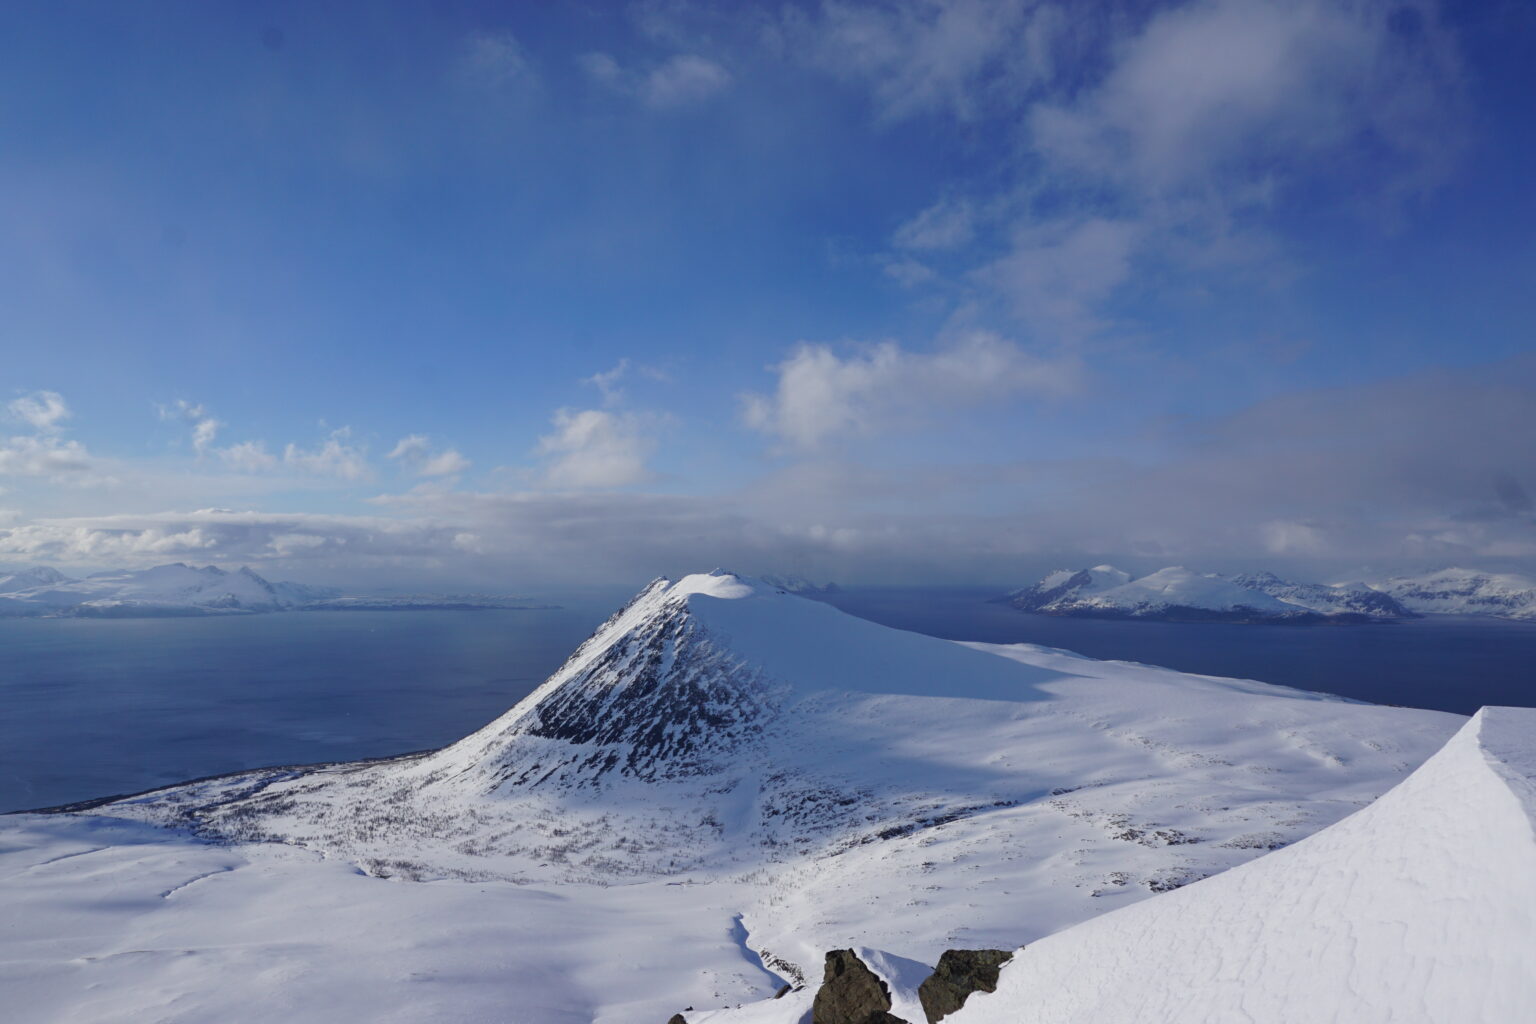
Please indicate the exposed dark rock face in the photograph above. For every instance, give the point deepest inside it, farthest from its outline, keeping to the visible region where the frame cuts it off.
(851, 993)
(959, 973)
(677, 1018)
(660, 702)
(1033, 599)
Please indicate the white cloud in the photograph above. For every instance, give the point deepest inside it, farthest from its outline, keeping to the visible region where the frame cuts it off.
(43, 410)
(908, 273)
(205, 428)
(682, 80)
(1222, 86)
(334, 457)
(1056, 275)
(946, 224)
(607, 382)
(415, 450)
(925, 56)
(601, 67)
(248, 457)
(42, 456)
(1426, 469)
(596, 449)
(1160, 140)
(225, 535)
(495, 60)
(822, 396)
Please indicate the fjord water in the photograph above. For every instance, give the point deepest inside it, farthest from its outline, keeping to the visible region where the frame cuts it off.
(1442, 662)
(92, 707)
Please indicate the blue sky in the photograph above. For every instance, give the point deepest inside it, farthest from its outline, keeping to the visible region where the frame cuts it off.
(936, 290)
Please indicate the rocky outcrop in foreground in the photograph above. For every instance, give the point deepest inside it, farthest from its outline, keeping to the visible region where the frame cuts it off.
(852, 993)
(960, 972)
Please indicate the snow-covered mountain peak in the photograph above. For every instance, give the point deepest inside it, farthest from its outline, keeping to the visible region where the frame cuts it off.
(689, 675)
(27, 579)
(726, 586)
(1465, 592)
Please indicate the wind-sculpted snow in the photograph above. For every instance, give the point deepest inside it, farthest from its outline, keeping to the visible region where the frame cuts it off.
(824, 782)
(1420, 909)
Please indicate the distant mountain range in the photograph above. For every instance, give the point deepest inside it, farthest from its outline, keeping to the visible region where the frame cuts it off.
(1177, 594)
(179, 589)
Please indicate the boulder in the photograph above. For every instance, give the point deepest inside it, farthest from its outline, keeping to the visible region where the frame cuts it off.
(851, 993)
(959, 973)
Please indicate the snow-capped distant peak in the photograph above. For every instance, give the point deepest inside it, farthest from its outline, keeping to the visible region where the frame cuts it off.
(1465, 592)
(1178, 593)
(26, 579)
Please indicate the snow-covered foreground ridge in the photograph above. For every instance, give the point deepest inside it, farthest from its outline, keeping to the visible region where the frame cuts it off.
(766, 777)
(1419, 908)
(1180, 594)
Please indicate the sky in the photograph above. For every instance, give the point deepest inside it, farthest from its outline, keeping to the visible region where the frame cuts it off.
(935, 291)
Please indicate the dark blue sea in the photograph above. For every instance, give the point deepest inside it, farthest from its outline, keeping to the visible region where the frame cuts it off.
(91, 707)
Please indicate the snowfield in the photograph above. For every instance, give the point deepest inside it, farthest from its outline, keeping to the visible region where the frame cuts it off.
(1420, 908)
(723, 783)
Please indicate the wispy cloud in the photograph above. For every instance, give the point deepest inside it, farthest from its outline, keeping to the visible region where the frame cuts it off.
(42, 456)
(938, 55)
(944, 225)
(205, 428)
(44, 411)
(416, 451)
(43, 453)
(1147, 143)
(682, 80)
(336, 456)
(496, 60)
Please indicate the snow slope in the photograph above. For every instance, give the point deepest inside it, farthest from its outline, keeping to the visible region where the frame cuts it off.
(1420, 908)
(111, 922)
(1465, 592)
(799, 780)
(1178, 594)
